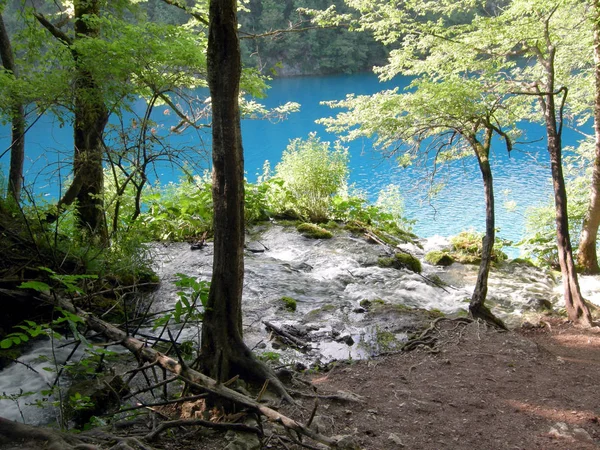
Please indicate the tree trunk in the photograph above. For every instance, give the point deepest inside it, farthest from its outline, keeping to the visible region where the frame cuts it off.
(223, 351)
(587, 256)
(477, 307)
(91, 116)
(480, 292)
(17, 146)
(577, 309)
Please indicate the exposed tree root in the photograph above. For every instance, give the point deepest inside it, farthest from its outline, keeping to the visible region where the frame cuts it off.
(480, 311)
(427, 339)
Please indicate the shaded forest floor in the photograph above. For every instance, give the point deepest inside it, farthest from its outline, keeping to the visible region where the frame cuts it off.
(533, 388)
(536, 388)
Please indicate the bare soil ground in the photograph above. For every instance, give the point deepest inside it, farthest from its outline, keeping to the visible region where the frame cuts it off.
(536, 388)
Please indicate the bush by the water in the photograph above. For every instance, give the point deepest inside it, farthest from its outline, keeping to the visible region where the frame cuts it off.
(309, 184)
(312, 173)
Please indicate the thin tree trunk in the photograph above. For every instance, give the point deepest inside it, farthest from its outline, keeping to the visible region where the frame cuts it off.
(577, 309)
(223, 351)
(477, 307)
(481, 286)
(587, 256)
(18, 124)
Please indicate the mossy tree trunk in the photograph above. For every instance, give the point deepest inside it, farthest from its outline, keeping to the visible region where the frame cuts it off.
(17, 145)
(587, 256)
(91, 116)
(481, 286)
(223, 351)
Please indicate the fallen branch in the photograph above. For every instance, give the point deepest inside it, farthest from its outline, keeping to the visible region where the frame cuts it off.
(195, 378)
(203, 423)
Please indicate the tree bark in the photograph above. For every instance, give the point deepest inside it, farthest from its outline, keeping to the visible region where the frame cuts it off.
(18, 124)
(223, 351)
(577, 309)
(587, 256)
(477, 307)
(91, 116)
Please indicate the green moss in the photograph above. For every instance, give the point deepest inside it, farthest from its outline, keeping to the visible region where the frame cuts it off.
(401, 261)
(523, 261)
(331, 225)
(356, 227)
(467, 247)
(269, 356)
(289, 303)
(313, 231)
(435, 280)
(313, 314)
(367, 304)
(435, 313)
(438, 258)
(386, 262)
(386, 341)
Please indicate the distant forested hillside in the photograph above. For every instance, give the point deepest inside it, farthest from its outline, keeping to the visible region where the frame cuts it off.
(313, 51)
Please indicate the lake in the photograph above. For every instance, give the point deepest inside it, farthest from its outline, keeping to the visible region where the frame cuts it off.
(521, 179)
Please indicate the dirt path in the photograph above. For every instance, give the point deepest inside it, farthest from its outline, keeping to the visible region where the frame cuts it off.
(536, 388)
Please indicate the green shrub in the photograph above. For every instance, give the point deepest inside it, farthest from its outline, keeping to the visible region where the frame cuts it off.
(313, 231)
(178, 211)
(312, 173)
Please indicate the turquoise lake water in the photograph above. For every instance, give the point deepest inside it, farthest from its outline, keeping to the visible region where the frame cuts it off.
(521, 179)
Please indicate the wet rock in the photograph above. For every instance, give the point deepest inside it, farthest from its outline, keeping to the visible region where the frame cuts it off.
(255, 247)
(359, 310)
(539, 304)
(346, 339)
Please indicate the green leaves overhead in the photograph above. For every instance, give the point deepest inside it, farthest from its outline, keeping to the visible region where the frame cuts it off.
(441, 111)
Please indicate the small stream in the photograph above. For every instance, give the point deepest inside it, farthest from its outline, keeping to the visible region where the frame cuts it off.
(347, 306)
